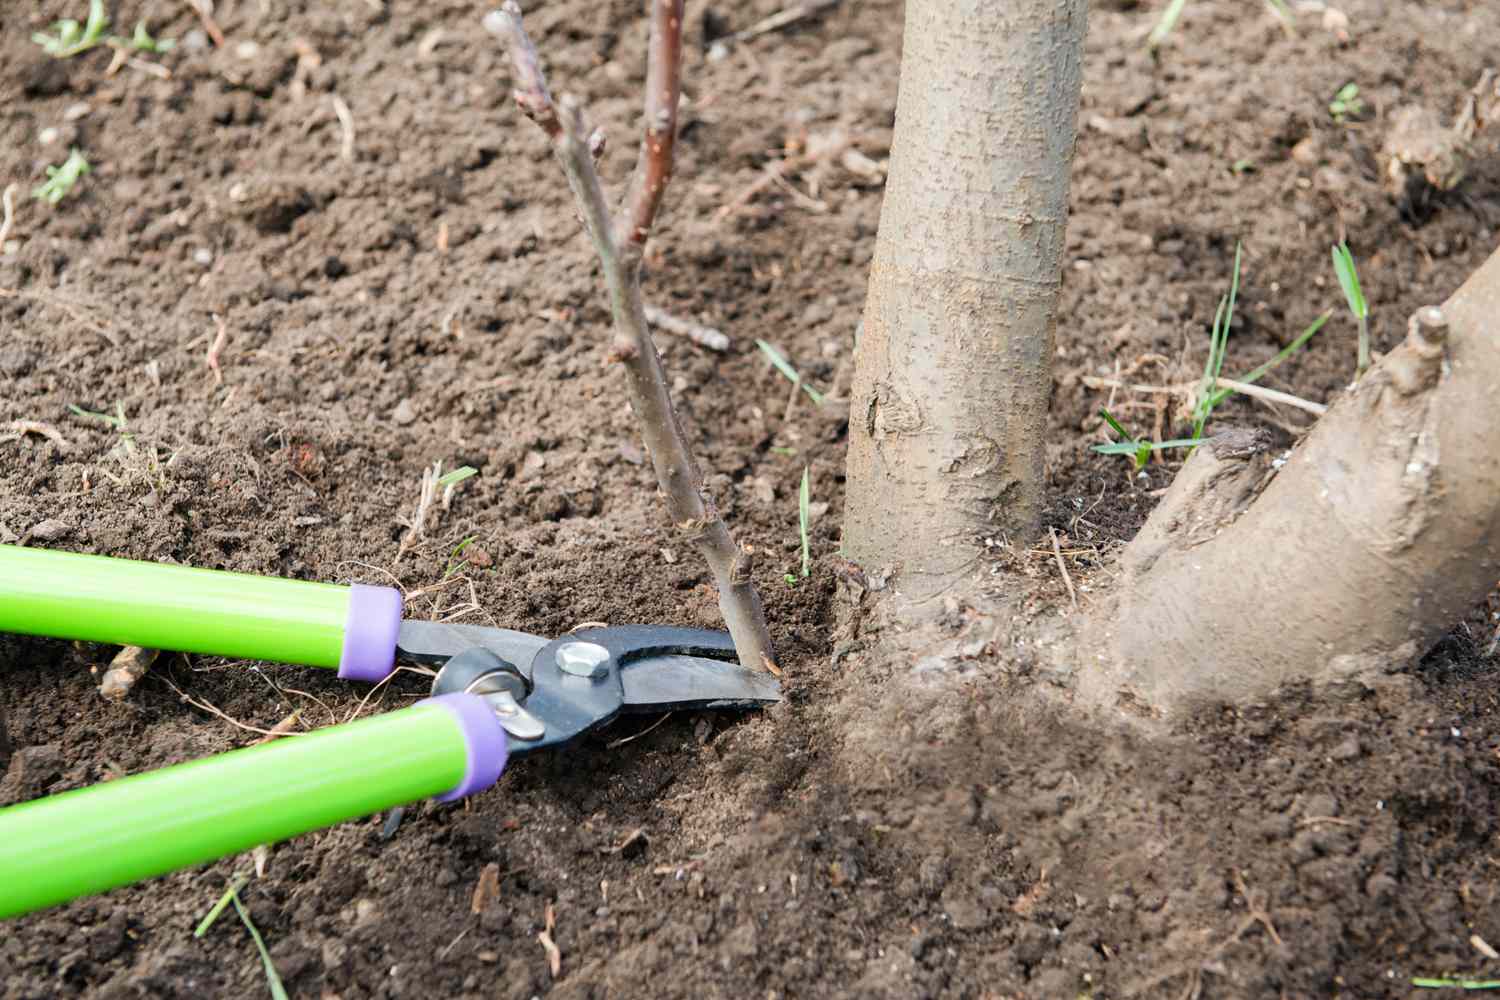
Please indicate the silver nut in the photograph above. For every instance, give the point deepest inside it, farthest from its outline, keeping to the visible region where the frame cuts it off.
(583, 659)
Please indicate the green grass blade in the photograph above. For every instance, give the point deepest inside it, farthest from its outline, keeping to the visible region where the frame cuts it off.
(1213, 340)
(1463, 984)
(454, 563)
(1109, 419)
(1166, 24)
(1287, 351)
(1133, 447)
(1205, 404)
(804, 496)
(457, 476)
(785, 367)
(1218, 348)
(1255, 374)
(115, 420)
(98, 21)
(142, 41)
(1343, 267)
(235, 884)
(1116, 448)
(1234, 291)
(72, 37)
(273, 980)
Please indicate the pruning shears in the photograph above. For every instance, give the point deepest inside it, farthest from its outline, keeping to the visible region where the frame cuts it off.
(497, 693)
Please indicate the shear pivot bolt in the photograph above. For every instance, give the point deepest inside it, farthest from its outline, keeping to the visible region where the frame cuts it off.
(583, 659)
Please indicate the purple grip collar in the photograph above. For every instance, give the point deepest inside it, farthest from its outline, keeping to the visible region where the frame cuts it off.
(484, 738)
(370, 633)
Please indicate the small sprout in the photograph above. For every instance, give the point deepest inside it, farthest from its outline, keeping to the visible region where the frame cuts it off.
(1140, 451)
(1166, 24)
(785, 367)
(232, 897)
(449, 481)
(235, 884)
(142, 41)
(1219, 394)
(777, 449)
(1343, 266)
(1429, 983)
(454, 563)
(1283, 13)
(804, 495)
(1346, 103)
(1243, 166)
(273, 979)
(115, 420)
(1211, 395)
(60, 180)
(72, 37)
(1213, 389)
(1169, 17)
(457, 476)
(1218, 346)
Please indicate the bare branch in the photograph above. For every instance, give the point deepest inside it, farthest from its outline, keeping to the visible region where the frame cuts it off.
(531, 87)
(653, 165)
(703, 336)
(618, 245)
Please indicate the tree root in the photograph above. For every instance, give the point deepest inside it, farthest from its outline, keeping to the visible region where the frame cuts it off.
(125, 670)
(1374, 536)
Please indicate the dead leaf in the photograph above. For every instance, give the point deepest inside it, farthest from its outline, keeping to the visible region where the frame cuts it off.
(554, 957)
(488, 888)
(281, 728)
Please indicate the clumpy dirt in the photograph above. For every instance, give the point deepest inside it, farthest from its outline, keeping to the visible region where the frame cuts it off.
(416, 290)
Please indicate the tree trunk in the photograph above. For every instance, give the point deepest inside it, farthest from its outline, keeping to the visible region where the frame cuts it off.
(1380, 532)
(949, 405)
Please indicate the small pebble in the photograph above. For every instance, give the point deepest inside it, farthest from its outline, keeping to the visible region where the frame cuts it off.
(51, 530)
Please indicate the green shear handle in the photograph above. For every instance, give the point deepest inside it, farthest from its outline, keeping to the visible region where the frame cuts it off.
(100, 599)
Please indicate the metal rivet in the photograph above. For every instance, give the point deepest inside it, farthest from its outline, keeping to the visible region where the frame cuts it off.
(514, 719)
(583, 659)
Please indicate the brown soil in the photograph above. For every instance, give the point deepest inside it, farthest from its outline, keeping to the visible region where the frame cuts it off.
(998, 851)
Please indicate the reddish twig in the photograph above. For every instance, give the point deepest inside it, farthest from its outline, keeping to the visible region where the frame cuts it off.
(205, 11)
(653, 165)
(619, 242)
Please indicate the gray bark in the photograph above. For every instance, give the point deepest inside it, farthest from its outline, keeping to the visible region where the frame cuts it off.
(949, 404)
